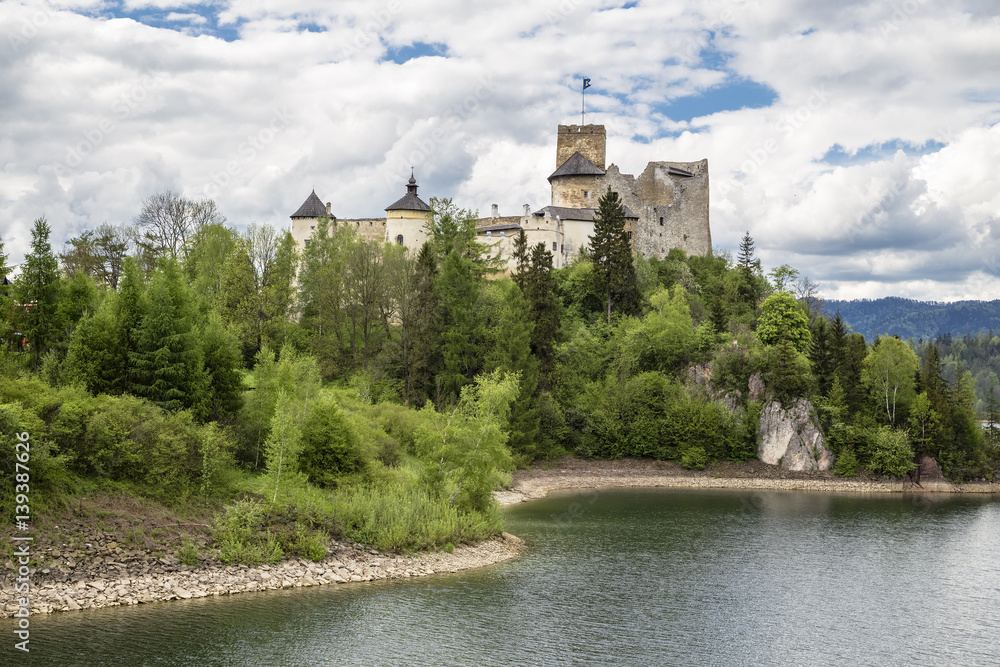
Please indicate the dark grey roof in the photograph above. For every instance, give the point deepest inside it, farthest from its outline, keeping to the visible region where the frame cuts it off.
(497, 228)
(410, 201)
(577, 213)
(312, 207)
(577, 165)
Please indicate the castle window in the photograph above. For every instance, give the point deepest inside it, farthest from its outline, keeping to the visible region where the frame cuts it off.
(554, 246)
(307, 243)
(313, 227)
(630, 236)
(399, 240)
(661, 221)
(503, 233)
(586, 194)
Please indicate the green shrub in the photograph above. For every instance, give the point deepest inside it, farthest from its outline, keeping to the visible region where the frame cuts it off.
(304, 542)
(889, 452)
(330, 447)
(241, 536)
(399, 422)
(694, 458)
(187, 553)
(847, 464)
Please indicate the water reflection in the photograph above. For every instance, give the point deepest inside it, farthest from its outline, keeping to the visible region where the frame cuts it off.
(619, 577)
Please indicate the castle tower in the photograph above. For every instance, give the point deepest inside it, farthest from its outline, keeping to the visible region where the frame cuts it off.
(580, 155)
(305, 218)
(405, 219)
(588, 140)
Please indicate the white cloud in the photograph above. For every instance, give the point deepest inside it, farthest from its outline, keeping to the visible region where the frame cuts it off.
(307, 97)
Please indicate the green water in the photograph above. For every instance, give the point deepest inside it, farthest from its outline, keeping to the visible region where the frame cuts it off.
(626, 577)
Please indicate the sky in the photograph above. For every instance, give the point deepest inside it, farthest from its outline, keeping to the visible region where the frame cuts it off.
(857, 141)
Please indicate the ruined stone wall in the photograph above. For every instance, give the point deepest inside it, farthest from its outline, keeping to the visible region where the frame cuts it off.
(672, 209)
(589, 140)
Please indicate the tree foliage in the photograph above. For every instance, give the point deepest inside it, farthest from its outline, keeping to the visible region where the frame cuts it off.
(614, 273)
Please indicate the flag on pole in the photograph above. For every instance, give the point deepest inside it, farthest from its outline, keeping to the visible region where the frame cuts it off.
(586, 84)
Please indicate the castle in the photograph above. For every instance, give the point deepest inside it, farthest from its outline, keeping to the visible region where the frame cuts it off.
(666, 206)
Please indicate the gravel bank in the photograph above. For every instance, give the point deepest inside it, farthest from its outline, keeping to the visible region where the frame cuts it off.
(573, 473)
(123, 579)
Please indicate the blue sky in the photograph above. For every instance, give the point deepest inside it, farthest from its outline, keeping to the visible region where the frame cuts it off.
(856, 141)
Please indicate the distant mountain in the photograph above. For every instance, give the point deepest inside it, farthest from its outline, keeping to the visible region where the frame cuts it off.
(907, 318)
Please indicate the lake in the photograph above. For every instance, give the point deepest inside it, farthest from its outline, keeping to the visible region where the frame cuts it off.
(625, 577)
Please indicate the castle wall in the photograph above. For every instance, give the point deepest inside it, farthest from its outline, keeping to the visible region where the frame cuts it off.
(576, 236)
(590, 140)
(369, 229)
(673, 210)
(548, 231)
(302, 229)
(409, 225)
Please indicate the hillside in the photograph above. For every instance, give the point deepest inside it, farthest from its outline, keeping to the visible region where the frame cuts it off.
(917, 319)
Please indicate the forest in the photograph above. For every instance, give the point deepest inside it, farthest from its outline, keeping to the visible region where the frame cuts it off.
(358, 390)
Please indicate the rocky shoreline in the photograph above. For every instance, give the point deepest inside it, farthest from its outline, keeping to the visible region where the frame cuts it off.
(108, 574)
(573, 473)
(124, 578)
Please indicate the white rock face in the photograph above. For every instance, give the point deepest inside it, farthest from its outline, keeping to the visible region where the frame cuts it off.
(791, 437)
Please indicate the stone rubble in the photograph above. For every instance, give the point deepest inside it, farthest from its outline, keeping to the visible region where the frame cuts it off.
(111, 576)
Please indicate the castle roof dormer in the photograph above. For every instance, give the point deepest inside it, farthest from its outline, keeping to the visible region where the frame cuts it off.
(312, 207)
(410, 201)
(577, 165)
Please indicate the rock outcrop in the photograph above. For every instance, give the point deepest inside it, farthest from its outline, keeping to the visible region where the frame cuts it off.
(928, 476)
(791, 438)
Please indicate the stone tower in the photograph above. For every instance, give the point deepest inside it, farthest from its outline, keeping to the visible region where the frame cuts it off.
(580, 155)
(305, 219)
(405, 219)
(588, 140)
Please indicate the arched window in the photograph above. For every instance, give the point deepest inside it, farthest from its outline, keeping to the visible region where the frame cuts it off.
(399, 240)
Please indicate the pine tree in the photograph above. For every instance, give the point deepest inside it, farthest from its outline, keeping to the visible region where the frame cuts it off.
(521, 260)
(614, 273)
(427, 360)
(220, 352)
(749, 270)
(130, 310)
(540, 290)
(37, 292)
(168, 363)
(458, 287)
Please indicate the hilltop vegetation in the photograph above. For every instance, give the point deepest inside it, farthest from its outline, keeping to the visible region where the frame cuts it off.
(358, 391)
(926, 320)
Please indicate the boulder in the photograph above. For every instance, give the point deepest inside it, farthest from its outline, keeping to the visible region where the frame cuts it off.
(928, 476)
(791, 438)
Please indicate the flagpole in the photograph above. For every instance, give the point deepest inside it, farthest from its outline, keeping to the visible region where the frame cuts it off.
(583, 104)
